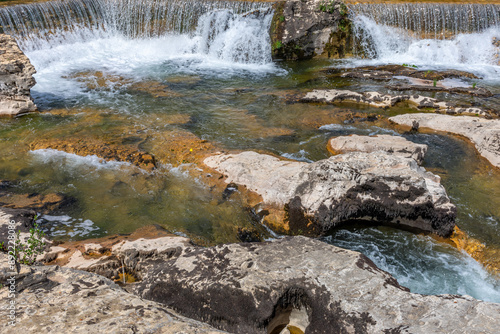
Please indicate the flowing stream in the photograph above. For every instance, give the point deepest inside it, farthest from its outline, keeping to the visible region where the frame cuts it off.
(138, 72)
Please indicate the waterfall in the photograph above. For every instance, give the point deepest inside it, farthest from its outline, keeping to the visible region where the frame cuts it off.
(43, 25)
(437, 20)
(460, 36)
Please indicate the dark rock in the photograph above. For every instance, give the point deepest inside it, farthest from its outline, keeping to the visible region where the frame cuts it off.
(309, 28)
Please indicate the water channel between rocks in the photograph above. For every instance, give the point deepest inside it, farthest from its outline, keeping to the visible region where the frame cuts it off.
(142, 75)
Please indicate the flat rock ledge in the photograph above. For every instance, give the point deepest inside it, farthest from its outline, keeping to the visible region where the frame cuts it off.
(391, 144)
(16, 79)
(380, 100)
(375, 187)
(54, 299)
(291, 285)
(483, 133)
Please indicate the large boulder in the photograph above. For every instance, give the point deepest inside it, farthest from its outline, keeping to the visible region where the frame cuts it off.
(483, 133)
(295, 285)
(303, 29)
(16, 79)
(56, 300)
(373, 187)
(391, 144)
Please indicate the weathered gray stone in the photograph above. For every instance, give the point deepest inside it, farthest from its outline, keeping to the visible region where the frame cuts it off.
(380, 100)
(375, 187)
(483, 133)
(263, 287)
(18, 219)
(53, 299)
(302, 29)
(390, 144)
(16, 79)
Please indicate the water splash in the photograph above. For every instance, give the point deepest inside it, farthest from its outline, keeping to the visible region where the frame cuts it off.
(437, 19)
(420, 263)
(47, 24)
(432, 36)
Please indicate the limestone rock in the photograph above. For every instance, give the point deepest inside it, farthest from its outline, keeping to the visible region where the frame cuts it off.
(302, 283)
(16, 79)
(375, 187)
(61, 300)
(483, 133)
(380, 100)
(391, 144)
(305, 29)
(19, 219)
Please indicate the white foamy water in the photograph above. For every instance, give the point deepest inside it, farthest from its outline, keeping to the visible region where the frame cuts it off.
(139, 39)
(70, 160)
(420, 263)
(383, 44)
(65, 225)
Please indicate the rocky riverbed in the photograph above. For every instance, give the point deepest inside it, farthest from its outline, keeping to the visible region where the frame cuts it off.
(250, 165)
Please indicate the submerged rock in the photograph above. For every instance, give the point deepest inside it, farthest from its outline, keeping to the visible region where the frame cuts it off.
(305, 29)
(63, 300)
(16, 79)
(483, 133)
(295, 283)
(102, 149)
(380, 100)
(375, 187)
(390, 144)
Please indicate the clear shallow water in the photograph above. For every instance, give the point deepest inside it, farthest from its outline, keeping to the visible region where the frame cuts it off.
(224, 88)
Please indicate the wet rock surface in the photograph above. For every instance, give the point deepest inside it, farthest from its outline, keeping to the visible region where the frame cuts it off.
(375, 187)
(63, 300)
(380, 100)
(387, 72)
(41, 203)
(16, 79)
(483, 133)
(480, 92)
(390, 144)
(102, 149)
(305, 29)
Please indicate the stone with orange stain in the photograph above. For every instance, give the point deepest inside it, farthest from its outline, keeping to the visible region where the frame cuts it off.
(489, 257)
(102, 149)
(38, 202)
(99, 80)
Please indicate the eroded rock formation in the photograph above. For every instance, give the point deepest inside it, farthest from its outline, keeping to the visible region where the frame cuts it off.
(16, 79)
(483, 133)
(375, 187)
(296, 283)
(63, 300)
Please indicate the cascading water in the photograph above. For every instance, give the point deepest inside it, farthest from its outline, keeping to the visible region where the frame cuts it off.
(459, 36)
(49, 24)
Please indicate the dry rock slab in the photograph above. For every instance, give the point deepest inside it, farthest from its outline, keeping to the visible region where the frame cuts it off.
(301, 283)
(375, 187)
(387, 143)
(483, 133)
(16, 79)
(54, 299)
